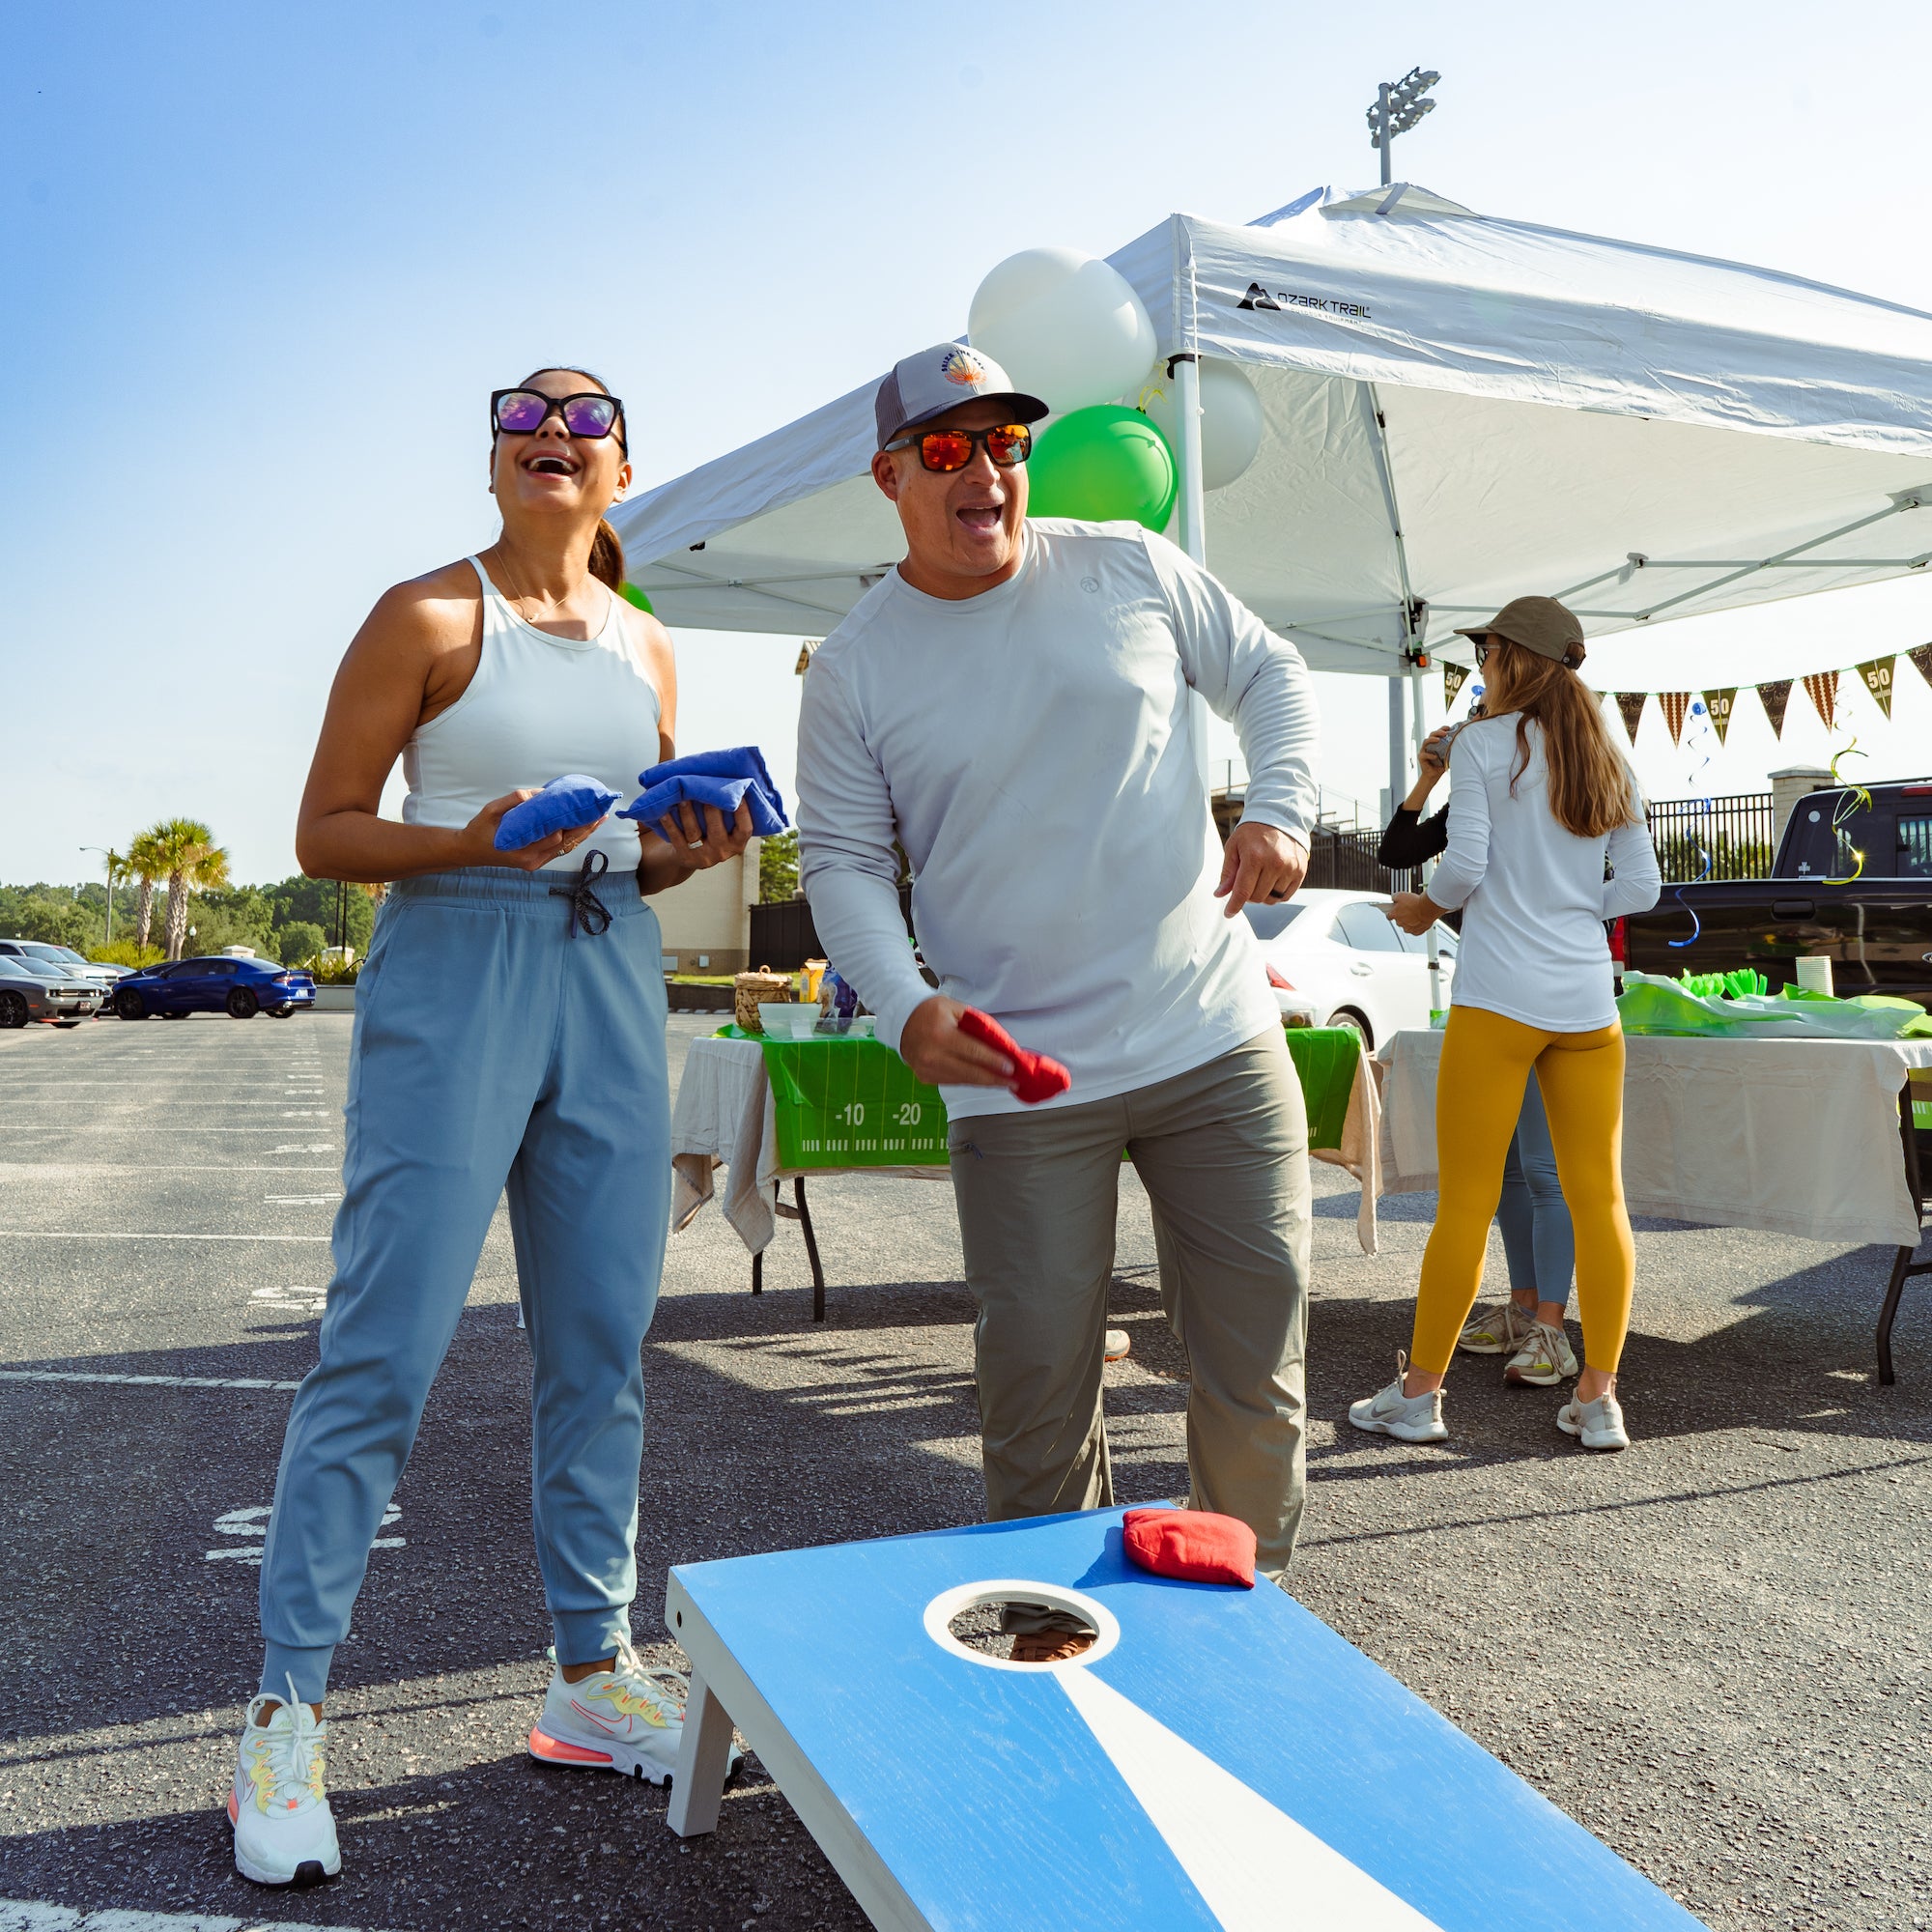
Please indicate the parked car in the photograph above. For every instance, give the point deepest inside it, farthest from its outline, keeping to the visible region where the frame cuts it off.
(33, 990)
(1336, 954)
(37, 952)
(224, 984)
(1870, 917)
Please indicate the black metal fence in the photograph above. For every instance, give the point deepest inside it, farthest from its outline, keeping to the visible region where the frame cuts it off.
(1713, 838)
(783, 936)
(1343, 860)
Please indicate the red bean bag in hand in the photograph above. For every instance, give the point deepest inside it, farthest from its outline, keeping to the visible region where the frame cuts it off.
(1195, 1546)
(1039, 1078)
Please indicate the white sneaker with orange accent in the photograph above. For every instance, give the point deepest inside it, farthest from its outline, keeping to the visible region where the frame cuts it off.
(629, 1719)
(279, 1805)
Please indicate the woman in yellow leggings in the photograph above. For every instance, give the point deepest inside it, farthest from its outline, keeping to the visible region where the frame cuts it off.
(1541, 804)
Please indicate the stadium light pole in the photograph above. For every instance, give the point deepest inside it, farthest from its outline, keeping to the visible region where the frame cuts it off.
(1398, 105)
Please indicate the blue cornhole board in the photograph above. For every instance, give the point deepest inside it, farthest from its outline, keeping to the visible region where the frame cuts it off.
(1223, 1761)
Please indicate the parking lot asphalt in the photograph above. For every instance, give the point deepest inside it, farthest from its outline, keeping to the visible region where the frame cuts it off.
(1712, 1650)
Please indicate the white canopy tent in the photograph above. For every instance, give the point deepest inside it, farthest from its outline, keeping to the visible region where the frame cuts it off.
(1457, 410)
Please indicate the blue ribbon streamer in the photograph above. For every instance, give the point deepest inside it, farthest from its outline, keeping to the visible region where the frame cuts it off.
(1696, 924)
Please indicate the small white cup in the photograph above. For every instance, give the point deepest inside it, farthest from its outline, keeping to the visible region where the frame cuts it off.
(1814, 974)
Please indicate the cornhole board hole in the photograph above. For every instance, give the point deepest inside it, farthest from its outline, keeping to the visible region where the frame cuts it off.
(1219, 1758)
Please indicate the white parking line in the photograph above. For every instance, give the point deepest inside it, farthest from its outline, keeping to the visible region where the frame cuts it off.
(19, 1915)
(124, 1234)
(142, 1381)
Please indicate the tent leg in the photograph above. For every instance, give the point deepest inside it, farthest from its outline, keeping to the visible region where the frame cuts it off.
(1397, 742)
(1187, 371)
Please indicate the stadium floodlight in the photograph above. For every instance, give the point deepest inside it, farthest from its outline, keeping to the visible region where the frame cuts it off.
(1400, 104)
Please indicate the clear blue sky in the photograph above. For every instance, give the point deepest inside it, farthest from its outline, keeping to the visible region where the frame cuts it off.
(263, 265)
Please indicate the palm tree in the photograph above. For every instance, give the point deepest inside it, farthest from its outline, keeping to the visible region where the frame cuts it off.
(145, 863)
(193, 862)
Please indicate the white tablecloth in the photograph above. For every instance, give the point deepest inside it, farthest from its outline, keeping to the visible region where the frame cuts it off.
(724, 1118)
(1791, 1136)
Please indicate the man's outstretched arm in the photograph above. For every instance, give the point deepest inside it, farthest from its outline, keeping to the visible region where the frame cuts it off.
(849, 871)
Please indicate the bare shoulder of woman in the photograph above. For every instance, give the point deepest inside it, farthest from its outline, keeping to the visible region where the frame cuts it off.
(424, 634)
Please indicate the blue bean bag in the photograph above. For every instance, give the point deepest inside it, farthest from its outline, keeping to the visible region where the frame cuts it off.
(562, 806)
(721, 779)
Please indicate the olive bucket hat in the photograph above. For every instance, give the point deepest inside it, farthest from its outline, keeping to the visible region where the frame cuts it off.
(1539, 624)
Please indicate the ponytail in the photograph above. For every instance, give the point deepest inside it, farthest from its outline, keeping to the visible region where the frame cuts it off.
(607, 557)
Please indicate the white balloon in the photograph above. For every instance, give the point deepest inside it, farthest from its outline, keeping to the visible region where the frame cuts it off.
(1065, 326)
(1230, 420)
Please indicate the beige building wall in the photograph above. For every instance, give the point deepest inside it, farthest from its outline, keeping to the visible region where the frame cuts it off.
(707, 920)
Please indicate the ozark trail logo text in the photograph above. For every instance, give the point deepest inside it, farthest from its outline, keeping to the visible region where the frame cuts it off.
(1258, 297)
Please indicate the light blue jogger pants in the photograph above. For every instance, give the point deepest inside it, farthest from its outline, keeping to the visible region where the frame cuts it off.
(492, 1051)
(1538, 1237)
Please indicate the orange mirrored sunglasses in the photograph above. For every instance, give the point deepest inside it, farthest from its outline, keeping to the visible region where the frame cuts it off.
(949, 450)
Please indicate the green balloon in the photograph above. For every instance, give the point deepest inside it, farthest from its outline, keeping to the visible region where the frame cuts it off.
(632, 595)
(1104, 464)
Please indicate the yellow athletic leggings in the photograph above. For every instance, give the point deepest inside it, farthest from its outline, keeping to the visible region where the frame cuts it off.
(1485, 1062)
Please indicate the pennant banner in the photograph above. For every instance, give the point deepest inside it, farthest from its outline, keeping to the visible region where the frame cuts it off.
(1820, 687)
(1877, 676)
(1922, 658)
(1718, 704)
(1675, 703)
(1454, 676)
(1774, 696)
(1630, 704)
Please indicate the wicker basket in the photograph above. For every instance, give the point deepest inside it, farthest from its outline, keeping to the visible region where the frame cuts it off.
(762, 987)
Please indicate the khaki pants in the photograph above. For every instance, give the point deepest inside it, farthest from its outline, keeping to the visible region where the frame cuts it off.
(1223, 1152)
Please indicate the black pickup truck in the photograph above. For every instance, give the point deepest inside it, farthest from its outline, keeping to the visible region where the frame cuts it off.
(1876, 928)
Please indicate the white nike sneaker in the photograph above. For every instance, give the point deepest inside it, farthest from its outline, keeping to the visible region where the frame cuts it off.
(284, 1831)
(630, 1719)
(1596, 1425)
(1410, 1418)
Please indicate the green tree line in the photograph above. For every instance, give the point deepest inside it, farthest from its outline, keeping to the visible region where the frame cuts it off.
(171, 897)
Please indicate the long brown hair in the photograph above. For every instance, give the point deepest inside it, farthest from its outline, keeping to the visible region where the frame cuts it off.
(1590, 787)
(606, 549)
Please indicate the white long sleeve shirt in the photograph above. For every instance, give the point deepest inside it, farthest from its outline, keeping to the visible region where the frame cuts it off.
(1533, 894)
(1030, 748)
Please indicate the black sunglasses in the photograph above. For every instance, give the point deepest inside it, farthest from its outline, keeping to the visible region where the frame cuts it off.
(949, 450)
(590, 414)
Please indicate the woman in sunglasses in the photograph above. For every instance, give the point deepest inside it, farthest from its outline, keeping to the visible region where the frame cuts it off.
(509, 1035)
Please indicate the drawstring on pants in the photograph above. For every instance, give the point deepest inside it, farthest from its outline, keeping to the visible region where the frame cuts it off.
(584, 905)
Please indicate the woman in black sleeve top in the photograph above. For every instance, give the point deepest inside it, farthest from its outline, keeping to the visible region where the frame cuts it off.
(1534, 1219)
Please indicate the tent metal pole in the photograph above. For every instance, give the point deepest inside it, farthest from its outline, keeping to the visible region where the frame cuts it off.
(1193, 498)
(1434, 948)
(1185, 366)
(1385, 468)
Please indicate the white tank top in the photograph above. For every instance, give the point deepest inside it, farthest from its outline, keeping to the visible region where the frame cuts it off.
(539, 706)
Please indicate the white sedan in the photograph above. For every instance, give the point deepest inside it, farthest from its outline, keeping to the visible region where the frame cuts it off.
(1334, 956)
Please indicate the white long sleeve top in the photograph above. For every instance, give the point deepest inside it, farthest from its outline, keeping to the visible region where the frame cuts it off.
(1029, 747)
(1533, 894)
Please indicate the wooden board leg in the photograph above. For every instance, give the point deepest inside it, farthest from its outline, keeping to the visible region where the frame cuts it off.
(758, 1272)
(697, 1785)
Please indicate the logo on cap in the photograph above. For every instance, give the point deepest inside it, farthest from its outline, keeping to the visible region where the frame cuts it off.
(962, 366)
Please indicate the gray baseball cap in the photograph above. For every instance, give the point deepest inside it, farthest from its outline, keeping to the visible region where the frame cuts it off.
(940, 377)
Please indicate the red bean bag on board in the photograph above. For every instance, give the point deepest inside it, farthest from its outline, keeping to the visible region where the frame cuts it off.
(1195, 1546)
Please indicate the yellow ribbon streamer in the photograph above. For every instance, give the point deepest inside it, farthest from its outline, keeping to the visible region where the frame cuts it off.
(1852, 799)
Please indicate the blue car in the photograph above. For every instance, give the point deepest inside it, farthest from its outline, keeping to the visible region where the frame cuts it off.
(225, 985)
